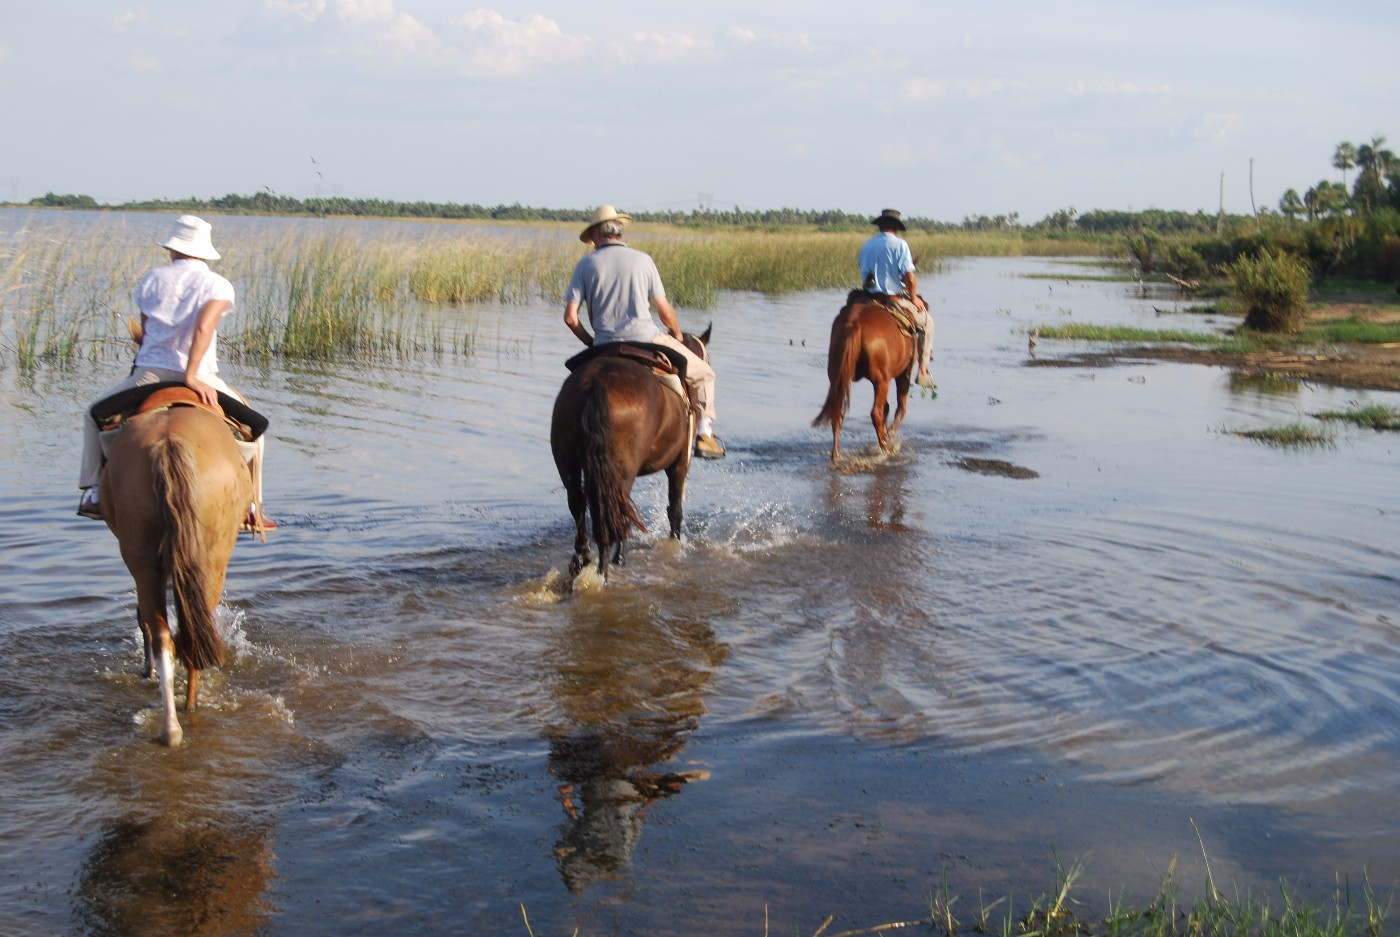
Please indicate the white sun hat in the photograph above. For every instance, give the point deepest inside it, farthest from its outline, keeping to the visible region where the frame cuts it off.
(190, 237)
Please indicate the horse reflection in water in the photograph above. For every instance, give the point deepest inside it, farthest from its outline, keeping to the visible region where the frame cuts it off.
(162, 875)
(631, 690)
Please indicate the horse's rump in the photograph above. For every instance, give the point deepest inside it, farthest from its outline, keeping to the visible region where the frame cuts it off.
(175, 480)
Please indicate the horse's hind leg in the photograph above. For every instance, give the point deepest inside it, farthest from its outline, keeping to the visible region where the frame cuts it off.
(149, 671)
(577, 507)
(675, 496)
(901, 396)
(160, 647)
(880, 411)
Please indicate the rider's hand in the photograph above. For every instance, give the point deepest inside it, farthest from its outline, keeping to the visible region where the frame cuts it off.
(206, 393)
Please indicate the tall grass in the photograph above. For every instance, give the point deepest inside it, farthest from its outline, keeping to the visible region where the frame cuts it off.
(62, 300)
(383, 294)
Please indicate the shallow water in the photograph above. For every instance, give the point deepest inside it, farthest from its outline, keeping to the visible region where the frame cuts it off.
(844, 689)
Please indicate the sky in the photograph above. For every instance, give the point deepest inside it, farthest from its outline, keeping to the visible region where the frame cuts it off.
(944, 110)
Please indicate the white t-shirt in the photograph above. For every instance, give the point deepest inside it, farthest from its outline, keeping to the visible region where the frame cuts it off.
(171, 297)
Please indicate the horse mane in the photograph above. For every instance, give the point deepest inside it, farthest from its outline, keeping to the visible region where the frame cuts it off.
(198, 642)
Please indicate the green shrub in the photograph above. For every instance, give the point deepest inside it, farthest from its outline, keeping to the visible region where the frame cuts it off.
(1273, 289)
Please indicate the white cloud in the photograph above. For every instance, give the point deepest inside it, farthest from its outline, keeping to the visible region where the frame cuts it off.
(142, 63)
(923, 89)
(1217, 127)
(306, 10)
(1116, 88)
(489, 43)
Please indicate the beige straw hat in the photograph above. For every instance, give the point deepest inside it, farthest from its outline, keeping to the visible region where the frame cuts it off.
(601, 214)
(190, 237)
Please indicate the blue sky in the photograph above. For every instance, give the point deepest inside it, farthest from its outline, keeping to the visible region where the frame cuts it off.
(940, 109)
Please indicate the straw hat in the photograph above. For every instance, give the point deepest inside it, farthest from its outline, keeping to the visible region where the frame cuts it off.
(601, 214)
(888, 217)
(190, 237)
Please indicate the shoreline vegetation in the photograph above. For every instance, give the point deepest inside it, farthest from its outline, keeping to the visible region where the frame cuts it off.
(333, 293)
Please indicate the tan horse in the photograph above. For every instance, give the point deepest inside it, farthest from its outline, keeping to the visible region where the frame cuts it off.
(867, 342)
(174, 492)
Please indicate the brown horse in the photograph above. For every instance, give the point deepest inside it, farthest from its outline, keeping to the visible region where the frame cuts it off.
(867, 342)
(613, 421)
(174, 492)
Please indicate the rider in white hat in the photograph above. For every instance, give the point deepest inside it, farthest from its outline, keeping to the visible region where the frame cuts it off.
(181, 304)
(619, 284)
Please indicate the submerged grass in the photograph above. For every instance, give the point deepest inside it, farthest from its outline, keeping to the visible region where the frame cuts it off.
(1287, 436)
(1371, 416)
(1339, 332)
(1123, 333)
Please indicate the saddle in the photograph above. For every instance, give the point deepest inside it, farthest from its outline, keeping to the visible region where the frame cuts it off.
(666, 363)
(245, 423)
(900, 307)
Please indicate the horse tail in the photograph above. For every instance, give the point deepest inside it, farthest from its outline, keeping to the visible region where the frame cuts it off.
(841, 365)
(198, 642)
(609, 496)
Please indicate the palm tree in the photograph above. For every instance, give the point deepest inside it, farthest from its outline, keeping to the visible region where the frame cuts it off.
(1344, 159)
(1291, 205)
(1374, 162)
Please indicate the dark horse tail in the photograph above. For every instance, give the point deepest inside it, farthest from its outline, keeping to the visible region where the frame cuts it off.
(845, 352)
(609, 496)
(198, 642)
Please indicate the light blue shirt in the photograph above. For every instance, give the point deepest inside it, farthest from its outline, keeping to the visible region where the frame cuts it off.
(884, 260)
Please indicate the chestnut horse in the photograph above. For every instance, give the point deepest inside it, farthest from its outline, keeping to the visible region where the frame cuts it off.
(615, 420)
(175, 491)
(867, 342)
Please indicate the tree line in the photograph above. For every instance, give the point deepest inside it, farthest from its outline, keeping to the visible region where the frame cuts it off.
(1064, 221)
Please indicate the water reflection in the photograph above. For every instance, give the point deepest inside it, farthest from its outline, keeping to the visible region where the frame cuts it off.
(882, 490)
(631, 690)
(1265, 384)
(168, 874)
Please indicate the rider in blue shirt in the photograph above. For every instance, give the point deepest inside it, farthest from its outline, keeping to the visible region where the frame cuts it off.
(887, 271)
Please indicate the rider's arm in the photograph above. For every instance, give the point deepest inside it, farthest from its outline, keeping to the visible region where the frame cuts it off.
(204, 331)
(667, 312)
(911, 286)
(572, 321)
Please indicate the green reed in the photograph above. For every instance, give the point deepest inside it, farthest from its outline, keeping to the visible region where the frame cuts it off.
(392, 293)
(63, 299)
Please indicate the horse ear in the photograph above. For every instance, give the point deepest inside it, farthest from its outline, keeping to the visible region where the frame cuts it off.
(705, 339)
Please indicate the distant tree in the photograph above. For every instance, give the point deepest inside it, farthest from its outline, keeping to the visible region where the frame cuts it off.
(1374, 163)
(1344, 158)
(50, 200)
(1291, 205)
(1325, 200)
